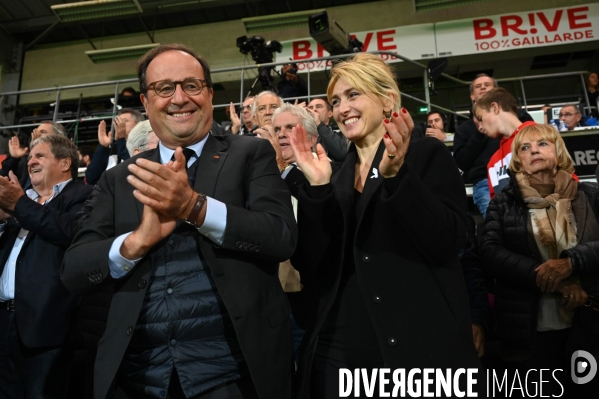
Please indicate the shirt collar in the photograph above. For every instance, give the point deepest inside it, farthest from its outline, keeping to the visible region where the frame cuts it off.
(57, 189)
(166, 153)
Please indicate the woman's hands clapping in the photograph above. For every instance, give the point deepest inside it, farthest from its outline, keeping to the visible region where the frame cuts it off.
(397, 140)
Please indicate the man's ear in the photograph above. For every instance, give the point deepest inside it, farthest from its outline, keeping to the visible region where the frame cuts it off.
(65, 164)
(145, 102)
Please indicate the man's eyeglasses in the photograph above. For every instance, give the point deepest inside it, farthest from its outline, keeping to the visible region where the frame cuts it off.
(246, 107)
(568, 114)
(272, 107)
(166, 88)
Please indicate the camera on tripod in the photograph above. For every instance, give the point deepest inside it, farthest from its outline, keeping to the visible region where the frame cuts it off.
(262, 53)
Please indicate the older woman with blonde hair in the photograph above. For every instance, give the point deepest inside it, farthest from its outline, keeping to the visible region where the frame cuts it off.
(541, 245)
(379, 241)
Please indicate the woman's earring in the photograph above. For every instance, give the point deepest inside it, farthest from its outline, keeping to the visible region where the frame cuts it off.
(387, 114)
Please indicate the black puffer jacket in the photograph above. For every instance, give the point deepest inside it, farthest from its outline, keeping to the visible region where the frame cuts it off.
(510, 257)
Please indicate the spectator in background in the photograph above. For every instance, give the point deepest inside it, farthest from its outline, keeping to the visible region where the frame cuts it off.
(141, 138)
(85, 155)
(17, 161)
(237, 125)
(291, 85)
(333, 141)
(593, 90)
(472, 150)
(265, 104)
(36, 309)
(497, 115)
(129, 98)
(571, 116)
(128, 92)
(435, 122)
(102, 159)
(245, 125)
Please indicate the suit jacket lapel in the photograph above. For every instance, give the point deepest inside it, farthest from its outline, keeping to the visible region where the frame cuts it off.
(211, 161)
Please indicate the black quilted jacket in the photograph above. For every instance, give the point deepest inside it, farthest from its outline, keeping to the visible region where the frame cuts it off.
(510, 257)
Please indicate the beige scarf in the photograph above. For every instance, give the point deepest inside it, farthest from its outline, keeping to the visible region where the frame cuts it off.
(554, 229)
(552, 213)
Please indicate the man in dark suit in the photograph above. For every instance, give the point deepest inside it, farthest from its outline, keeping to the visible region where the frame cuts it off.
(35, 307)
(197, 310)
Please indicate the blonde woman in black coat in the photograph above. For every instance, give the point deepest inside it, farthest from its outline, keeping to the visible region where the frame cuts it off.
(379, 241)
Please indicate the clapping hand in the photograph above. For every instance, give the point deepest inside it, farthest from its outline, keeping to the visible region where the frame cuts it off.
(396, 142)
(120, 128)
(104, 137)
(317, 169)
(14, 148)
(235, 121)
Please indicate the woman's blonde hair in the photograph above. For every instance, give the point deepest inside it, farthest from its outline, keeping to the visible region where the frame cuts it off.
(368, 74)
(542, 132)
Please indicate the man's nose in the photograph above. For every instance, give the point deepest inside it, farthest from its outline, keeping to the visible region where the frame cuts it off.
(179, 96)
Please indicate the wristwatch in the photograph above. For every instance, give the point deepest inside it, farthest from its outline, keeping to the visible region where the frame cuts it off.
(192, 218)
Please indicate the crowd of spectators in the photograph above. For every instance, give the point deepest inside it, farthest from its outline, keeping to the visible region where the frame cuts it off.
(341, 203)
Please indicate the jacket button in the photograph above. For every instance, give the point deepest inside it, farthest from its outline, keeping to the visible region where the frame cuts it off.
(392, 341)
(169, 290)
(366, 258)
(377, 299)
(129, 331)
(173, 342)
(246, 245)
(142, 284)
(170, 242)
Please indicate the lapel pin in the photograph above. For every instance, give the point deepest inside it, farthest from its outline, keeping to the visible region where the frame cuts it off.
(216, 157)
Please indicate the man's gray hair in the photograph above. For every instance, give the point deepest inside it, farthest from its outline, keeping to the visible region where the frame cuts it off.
(575, 106)
(56, 127)
(263, 93)
(306, 118)
(61, 148)
(138, 137)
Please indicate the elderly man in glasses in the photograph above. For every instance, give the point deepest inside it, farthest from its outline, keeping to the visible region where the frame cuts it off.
(190, 235)
(243, 126)
(570, 114)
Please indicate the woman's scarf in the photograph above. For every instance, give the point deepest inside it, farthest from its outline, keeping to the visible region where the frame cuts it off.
(554, 229)
(551, 213)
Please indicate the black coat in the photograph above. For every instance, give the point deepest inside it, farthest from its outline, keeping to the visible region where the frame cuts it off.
(409, 232)
(43, 305)
(507, 248)
(260, 232)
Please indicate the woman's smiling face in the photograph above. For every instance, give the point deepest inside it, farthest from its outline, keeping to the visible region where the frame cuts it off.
(357, 114)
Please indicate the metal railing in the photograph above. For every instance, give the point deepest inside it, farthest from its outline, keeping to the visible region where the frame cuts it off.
(426, 84)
